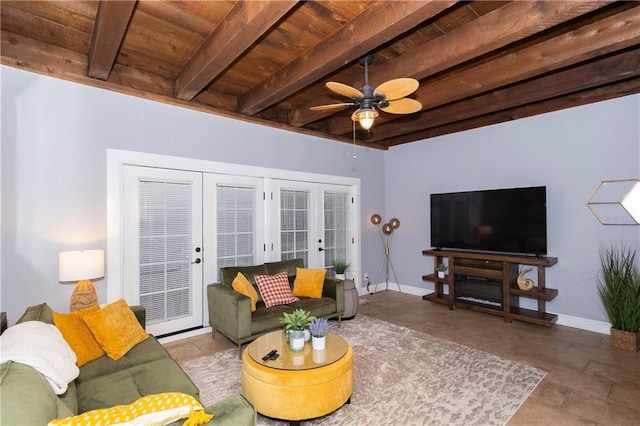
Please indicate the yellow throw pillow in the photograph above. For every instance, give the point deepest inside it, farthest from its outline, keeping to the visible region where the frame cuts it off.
(309, 283)
(242, 285)
(78, 336)
(156, 409)
(116, 328)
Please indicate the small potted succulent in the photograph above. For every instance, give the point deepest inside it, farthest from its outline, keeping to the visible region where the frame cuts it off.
(340, 267)
(442, 269)
(295, 325)
(318, 328)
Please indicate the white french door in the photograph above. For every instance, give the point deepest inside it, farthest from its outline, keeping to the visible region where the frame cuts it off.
(162, 246)
(338, 235)
(174, 222)
(314, 222)
(233, 222)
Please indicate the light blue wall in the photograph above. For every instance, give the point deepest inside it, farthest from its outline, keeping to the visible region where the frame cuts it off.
(55, 136)
(569, 151)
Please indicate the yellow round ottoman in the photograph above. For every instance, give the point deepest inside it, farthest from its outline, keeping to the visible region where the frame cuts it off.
(297, 385)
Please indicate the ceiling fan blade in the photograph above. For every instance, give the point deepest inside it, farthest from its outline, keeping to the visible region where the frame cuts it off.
(330, 106)
(344, 89)
(403, 106)
(397, 88)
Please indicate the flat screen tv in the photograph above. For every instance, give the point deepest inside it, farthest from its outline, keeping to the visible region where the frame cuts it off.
(510, 220)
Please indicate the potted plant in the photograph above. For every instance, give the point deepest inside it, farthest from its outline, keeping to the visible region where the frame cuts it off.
(340, 267)
(619, 290)
(442, 269)
(318, 328)
(295, 324)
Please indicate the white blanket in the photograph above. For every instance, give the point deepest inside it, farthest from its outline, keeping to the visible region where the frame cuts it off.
(42, 347)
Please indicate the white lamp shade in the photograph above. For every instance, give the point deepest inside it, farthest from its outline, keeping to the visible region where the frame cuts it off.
(81, 265)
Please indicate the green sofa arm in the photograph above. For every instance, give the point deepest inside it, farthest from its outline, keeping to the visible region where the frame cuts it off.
(232, 411)
(229, 312)
(141, 314)
(334, 288)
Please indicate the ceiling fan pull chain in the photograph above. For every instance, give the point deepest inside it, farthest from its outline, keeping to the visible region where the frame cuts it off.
(353, 126)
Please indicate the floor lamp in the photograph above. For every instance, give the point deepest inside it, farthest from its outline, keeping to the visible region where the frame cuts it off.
(385, 235)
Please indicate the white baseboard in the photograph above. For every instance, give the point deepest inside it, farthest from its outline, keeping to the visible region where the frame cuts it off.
(596, 326)
(185, 335)
(584, 323)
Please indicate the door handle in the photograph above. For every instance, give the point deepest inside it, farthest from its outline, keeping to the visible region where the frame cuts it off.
(320, 249)
(198, 260)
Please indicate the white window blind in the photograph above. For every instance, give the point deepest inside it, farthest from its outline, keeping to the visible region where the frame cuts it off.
(294, 225)
(335, 226)
(165, 245)
(236, 218)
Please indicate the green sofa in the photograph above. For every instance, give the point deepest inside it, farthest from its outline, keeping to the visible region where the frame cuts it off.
(230, 312)
(26, 398)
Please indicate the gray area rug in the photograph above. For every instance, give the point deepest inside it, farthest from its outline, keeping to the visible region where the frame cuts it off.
(401, 377)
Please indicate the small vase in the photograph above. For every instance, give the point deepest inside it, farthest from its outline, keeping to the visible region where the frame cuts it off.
(340, 276)
(319, 343)
(441, 274)
(296, 340)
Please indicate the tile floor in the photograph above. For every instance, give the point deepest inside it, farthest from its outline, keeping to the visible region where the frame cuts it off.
(587, 382)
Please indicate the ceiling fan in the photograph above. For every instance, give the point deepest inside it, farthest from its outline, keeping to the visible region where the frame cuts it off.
(389, 97)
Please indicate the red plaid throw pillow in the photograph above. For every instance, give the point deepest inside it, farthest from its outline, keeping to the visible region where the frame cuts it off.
(275, 289)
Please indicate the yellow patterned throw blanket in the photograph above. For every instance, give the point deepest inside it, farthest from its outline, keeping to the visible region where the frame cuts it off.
(150, 410)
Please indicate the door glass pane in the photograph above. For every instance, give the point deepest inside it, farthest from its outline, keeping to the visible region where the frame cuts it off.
(335, 226)
(294, 225)
(236, 218)
(165, 245)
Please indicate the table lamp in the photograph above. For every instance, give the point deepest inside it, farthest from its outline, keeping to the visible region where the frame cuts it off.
(82, 266)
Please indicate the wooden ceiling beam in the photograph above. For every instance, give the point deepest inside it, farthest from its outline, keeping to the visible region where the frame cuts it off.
(109, 29)
(381, 22)
(624, 88)
(598, 73)
(508, 24)
(599, 38)
(241, 28)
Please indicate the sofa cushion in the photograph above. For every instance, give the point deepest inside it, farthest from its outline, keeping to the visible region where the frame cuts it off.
(115, 328)
(146, 351)
(324, 307)
(26, 397)
(153, 409)
(228, 273)
(289, 266)
(41, 312)
(146, 369)
(263, 320)
(275, 289)
(242, 285)
(78, 336)
(309, 283)
(125, 386)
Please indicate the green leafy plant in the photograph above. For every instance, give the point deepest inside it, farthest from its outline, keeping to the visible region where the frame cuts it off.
(340, 266)
(297, 320)
(441, 267)
(318, 327)
(619, 288)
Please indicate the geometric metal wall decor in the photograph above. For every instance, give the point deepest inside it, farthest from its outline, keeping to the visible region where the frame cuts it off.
(616, 202)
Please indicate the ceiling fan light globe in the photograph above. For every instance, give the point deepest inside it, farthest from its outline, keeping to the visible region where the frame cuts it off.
(365, 116)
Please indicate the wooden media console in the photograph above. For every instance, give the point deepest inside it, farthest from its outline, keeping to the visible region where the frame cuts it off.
(487, 282)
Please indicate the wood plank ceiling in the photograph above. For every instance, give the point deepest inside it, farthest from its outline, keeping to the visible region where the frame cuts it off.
(478, 62)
